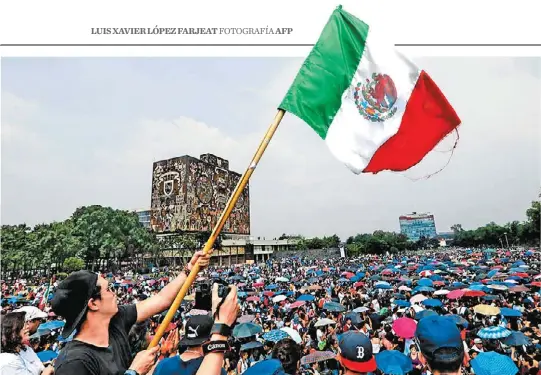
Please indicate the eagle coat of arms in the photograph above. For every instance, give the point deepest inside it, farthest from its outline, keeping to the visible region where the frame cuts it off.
(376, 98)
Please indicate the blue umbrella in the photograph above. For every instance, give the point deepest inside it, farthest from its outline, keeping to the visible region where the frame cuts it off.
(424, 313)
(53, 324)
(425, 282)
(423, 289)
(492, 363)
(458, 320)
(271, 286)
(267, 366)
(506, 311)
(251, 345)
(383, 285)
(393, 362)
(432, 302)
(516, 338)
(402, 303)
(306, 297)
(334, 307)
(46, 355)
(494, 333)
(275, 335)
(246, 330)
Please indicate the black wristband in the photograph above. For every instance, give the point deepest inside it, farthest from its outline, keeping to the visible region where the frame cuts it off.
(221, 329)
(215, 347)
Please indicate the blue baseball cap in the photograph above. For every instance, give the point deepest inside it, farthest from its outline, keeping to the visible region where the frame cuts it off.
(267, 367)
(356, 352)
(436, 332)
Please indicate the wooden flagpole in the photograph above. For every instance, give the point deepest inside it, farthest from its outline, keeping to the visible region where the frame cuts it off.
(219, 225)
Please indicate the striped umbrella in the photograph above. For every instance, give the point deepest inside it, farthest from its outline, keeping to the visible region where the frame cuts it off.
(275, 335)
(317, 357)
(494, 333)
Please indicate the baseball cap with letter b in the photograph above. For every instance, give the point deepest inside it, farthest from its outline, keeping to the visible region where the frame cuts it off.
(355, 352)
(435, 333)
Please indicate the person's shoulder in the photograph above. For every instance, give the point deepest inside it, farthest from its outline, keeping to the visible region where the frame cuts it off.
(167, 365)
(126, 316)
(76, 359)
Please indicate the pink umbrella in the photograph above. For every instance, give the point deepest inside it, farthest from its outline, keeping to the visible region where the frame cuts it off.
(405, 327)
(456, 294)
(258, 285)
(296, 304)
(253, 299)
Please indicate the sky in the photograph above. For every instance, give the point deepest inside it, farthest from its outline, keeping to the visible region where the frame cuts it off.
(83, 131)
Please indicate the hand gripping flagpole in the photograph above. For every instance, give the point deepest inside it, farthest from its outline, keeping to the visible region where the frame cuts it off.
(218, 227)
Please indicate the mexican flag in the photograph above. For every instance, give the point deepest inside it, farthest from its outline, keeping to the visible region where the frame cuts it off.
(375, 109)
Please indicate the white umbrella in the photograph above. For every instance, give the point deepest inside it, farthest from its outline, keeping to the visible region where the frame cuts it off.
(293, 334)
(282, 279)
(418, 298)
(279, 298)
(441, 292)
(361, 309)
(324, 322)
(404, 288)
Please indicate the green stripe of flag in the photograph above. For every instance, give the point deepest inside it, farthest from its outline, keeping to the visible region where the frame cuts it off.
(316, 93)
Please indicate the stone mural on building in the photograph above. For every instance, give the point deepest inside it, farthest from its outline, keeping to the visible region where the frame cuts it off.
(189, 194)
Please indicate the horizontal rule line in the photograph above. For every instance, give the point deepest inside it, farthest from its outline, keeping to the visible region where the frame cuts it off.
(250, 45)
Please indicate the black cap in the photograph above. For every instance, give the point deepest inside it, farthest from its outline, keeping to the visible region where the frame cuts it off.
(197, 330)
(70, 300)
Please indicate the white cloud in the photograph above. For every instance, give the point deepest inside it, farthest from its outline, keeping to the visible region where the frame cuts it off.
(298, 186)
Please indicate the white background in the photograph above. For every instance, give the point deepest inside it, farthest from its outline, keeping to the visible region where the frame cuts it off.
(409, 22)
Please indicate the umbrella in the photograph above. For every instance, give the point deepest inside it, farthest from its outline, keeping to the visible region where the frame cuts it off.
(417, 298)
(267, 366)
(306, 297)
(361, 309)
(53, 324)
(334, 307)
(253, 299)
(46, 355)
(297, 304)
(242, 319)
(317, 357)
(393, 362)
(492, 363)
(246, 330)
(441, 292)
(432, 302)
(282, 279)
(324, 322)
(516, 338)
(292, 333)
(424, 313)
(456, 294)
(459, 321)
(275, 335)
(474, 293)
(383, 285)
(405, 327)
(251, 345)
(486, 310)
(425, 282)
(271, 287)
(506, 311)
(493, 333)
(279, 298)
(354, 317)
(402, 303)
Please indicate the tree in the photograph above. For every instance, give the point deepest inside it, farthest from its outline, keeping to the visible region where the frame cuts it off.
(74, 264)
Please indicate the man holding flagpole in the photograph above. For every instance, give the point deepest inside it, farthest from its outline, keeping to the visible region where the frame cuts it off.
(100, 345)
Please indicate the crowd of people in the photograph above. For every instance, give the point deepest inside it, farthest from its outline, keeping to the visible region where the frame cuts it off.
(446, 312)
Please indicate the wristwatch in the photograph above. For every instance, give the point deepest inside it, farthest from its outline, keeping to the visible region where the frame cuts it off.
(130, 372)
(221, 329)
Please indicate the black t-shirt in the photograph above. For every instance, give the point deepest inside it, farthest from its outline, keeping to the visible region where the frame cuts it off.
(79, 358)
